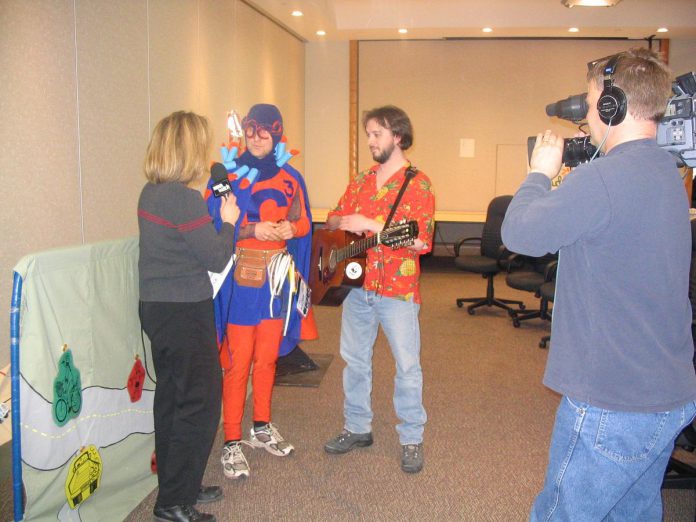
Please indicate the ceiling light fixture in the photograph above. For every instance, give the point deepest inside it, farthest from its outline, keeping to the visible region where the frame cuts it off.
(662, 30)
(403, 31)
(321, 33)
(590, 3)
(573, 30)
(487, 30)
(297, 13)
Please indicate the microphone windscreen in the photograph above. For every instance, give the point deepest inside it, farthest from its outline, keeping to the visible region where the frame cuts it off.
(218, 172)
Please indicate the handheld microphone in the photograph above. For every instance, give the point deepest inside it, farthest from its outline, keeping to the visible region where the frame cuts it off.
(221, 184)
(573, 108)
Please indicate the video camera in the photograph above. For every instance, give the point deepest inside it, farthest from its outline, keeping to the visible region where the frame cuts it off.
(677, 129)
(676, 132)
(575, 150)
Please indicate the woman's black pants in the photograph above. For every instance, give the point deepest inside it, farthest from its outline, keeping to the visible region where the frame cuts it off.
(187, 395)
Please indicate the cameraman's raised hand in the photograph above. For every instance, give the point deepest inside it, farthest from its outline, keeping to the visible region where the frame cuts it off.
(547, 154)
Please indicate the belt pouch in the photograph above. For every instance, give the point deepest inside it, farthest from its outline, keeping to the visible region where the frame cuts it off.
(250, 271)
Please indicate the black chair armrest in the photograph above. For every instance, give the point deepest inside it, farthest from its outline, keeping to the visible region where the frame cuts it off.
(505, 258)
(515, 260)
(458, 245)
(550, 271)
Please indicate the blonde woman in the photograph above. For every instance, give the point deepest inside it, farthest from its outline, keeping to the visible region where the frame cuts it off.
(178, 246)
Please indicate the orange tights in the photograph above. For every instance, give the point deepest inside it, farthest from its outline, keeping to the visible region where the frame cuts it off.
(260, 344)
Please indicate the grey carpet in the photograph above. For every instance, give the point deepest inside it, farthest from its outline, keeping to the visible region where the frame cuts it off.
(487, 435)
(486, 442)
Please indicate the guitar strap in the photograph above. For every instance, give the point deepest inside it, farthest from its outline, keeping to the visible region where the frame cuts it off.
(410, 173)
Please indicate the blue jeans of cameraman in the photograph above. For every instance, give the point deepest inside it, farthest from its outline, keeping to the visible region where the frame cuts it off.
(608, 465)
(363, 313)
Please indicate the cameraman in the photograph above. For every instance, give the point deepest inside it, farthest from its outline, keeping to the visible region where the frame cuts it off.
(622, 347)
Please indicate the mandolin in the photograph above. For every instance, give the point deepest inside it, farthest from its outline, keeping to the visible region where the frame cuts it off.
(338, 259)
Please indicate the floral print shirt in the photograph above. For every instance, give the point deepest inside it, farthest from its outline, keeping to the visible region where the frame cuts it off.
(392, 273)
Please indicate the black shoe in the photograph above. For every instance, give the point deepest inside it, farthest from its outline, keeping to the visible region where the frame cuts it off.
(183, 513)
(412, 457)
(346, 441)
(208, 494)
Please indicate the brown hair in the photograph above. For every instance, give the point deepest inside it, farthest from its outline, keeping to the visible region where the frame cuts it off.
(394, 119)
(179, 148)
(643, 76)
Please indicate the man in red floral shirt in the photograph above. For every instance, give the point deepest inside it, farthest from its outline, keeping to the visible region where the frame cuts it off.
(390, 294)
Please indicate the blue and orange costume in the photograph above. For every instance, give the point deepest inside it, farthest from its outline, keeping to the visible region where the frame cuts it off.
(252, 324)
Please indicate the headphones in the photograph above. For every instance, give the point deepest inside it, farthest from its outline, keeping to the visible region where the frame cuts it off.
(611, 104)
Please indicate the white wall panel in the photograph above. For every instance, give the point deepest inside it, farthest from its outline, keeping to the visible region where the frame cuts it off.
(269, 68)
(173, 57)
(39, 175)
(114, 127)
(84, 82)
(327, 107)
(217, 65)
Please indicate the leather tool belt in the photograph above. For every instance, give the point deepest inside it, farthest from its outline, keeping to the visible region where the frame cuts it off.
(251, 267)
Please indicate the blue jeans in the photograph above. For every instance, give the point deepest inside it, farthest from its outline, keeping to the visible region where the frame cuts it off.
(608, 465)
(363, 313)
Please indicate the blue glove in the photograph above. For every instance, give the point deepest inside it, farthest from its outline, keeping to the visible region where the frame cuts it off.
(228, 157)
(244, 172)
(281, 156)
(252, 174)
(241, 171)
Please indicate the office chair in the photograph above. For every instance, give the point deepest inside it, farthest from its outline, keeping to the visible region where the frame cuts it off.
(492, 259)
(546, 292)
(529, 279)
(679, 474)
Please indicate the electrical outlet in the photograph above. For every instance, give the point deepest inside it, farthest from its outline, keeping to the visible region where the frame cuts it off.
(467, 147)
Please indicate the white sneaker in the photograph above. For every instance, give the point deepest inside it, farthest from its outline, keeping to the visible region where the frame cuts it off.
(234, 463)
(268, 438)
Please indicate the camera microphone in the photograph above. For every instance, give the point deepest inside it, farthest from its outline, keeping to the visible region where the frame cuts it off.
(221, 184)
(573, 108)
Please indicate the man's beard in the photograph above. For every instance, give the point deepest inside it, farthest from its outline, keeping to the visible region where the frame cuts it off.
(384, 156)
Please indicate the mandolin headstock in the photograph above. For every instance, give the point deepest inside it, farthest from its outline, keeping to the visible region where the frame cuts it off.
(400, 234)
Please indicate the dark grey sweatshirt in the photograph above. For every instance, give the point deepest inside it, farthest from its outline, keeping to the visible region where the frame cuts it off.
(621, 332)
(179, 244)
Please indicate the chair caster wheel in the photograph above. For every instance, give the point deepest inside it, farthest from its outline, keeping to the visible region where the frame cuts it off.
(542, 345)
(459, 304)
(516, 323)
(471, 312)
(522, 307)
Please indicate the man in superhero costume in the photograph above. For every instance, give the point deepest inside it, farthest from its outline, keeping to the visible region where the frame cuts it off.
(257, 311)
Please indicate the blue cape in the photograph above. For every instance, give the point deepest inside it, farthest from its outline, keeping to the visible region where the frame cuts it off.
(300, 248)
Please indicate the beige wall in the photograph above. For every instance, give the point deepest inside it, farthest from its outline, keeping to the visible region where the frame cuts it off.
(494, 92)
(327, 97)
(84, 81)
(682, 56)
